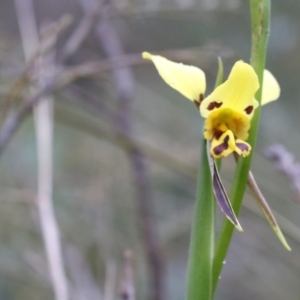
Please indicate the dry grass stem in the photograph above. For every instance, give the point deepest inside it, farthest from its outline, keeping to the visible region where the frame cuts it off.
(44, 126)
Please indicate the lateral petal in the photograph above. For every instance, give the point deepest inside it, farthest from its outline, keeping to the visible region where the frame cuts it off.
(271, 88)
(187, 80)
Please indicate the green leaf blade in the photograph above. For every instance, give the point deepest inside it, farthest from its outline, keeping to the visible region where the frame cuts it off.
(266, 210)
(199, 274)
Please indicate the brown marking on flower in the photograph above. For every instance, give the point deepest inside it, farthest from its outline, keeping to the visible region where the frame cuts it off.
(243, 147)
(218, 133)
(249, 109)
(222, 147)
(214, 105)
(198, 102)
(201, 97)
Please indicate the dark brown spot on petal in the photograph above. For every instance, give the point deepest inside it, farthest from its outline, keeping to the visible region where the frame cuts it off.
(198, 102)
(214, 105)
(201, 97)
(217, 133)
(221, 148)
(249, 109)
(243, 147)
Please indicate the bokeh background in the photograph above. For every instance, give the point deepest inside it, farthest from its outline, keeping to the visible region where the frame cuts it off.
(126, 148)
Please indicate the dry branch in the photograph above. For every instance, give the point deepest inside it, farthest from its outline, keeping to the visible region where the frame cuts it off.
(43, 125)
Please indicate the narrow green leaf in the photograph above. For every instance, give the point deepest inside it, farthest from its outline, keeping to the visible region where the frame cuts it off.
(199, 274)
(265, 208)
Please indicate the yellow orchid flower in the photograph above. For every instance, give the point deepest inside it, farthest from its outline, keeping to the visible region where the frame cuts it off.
(228, 109)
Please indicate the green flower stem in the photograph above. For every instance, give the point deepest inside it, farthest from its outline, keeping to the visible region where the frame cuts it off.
(199, 273)
(260, 19)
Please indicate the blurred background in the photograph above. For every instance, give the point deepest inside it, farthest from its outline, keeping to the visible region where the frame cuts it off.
(116, 220)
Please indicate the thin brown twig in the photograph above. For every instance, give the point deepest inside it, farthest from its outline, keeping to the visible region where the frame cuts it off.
(93, 68)
(15, 118)
(80, 32)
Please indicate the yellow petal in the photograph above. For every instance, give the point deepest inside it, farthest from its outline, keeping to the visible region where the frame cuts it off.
(237, 93)
(187, 80)
(271, 89)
